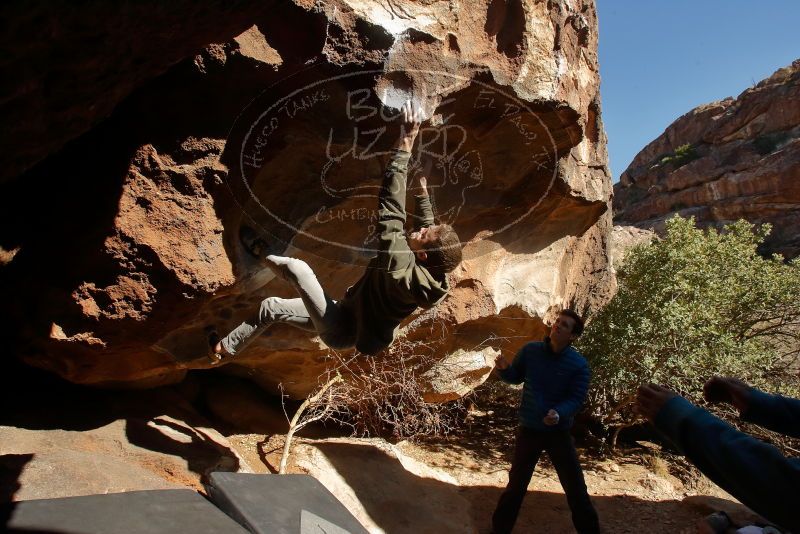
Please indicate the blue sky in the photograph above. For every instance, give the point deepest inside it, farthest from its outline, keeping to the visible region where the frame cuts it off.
(661, 58)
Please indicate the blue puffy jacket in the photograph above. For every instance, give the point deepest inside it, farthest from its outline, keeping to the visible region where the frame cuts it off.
(557, 381)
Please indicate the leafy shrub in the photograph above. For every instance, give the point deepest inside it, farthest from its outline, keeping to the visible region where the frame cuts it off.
(682, 155)
(692, 305)
(767, 143)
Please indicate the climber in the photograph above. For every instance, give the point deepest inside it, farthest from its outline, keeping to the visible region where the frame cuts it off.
(409, 271)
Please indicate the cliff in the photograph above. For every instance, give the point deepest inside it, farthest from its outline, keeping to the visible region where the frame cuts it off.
(728, 160)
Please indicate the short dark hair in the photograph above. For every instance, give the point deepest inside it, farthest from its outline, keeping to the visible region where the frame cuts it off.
(577, 329)
(444, 254)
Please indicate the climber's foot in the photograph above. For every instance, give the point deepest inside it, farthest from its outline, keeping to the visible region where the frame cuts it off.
(254, 244)
(216, 352)
(716, 523)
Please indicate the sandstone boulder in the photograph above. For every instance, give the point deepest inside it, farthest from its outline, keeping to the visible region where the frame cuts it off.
(623, 239)
(282, 124)
(457, 374)
(386, 490)
(86, 443)
(66, 67)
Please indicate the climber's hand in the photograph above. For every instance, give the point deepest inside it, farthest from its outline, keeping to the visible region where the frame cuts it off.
(411, 115)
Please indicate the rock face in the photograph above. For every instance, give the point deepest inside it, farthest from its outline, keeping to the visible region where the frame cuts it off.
(283, 124)
(723, 161)
(67, 442)
(57, 83)
(385, 489)
(457, 374)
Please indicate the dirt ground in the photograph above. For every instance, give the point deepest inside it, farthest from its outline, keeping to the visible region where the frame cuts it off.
(76, 441)
(634, 491)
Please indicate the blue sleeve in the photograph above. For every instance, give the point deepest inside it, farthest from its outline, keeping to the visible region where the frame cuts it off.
(577, 393)
(515, 373)
(780, 414)
(754, 472)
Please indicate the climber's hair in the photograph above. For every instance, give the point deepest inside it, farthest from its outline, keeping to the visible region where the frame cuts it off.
(444, 254)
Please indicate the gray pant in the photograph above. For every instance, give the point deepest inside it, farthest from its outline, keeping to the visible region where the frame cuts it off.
(314, 311)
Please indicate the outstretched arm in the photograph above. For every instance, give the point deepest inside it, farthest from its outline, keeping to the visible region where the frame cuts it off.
(411, 114)
(423, 212)
(754, 472)
(781, 414)
(393, 251)
(515, 372)
(777, 413)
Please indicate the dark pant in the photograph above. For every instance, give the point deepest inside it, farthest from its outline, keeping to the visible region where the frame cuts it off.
(561, 450)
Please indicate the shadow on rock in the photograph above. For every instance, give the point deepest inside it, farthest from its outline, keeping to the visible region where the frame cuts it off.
(11, 467)
(203, 454)
(90, 441)
(399, 500)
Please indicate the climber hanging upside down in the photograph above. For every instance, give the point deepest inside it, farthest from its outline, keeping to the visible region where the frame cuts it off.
(409, 271)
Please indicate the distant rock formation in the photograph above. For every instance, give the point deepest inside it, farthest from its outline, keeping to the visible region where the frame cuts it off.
(119, 244)
(724, 161)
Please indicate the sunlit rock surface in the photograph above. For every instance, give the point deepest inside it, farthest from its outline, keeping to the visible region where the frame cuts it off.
(457, 374)
(353, 470)
(742, 162)
(625, 238)
(67, 442)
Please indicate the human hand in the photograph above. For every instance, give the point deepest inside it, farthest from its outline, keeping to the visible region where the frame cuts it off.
(650, 398)
(730, 390)
(500, 362)
(411, 115)
(551, 419)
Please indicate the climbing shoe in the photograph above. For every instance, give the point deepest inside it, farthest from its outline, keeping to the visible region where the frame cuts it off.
(719, 522)
(213, 356)
(254, 244)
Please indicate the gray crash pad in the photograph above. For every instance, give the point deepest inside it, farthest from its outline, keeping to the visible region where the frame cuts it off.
(136, 512)
(281, 504)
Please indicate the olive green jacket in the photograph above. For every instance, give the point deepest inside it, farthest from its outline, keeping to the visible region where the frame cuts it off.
(394, 284)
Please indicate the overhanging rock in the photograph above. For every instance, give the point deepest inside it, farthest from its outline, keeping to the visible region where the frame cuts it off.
(286, 128)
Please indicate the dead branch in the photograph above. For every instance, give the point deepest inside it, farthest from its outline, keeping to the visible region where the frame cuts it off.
(296, 423)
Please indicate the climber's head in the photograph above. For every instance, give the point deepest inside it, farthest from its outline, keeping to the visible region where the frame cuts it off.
(437, 247)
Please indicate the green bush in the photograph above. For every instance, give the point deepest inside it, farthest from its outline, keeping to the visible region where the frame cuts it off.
(767, 143)
(682, 155)
(691, 305)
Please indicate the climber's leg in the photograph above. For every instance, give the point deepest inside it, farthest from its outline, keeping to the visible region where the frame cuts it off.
(335, 326)
(272, 309)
